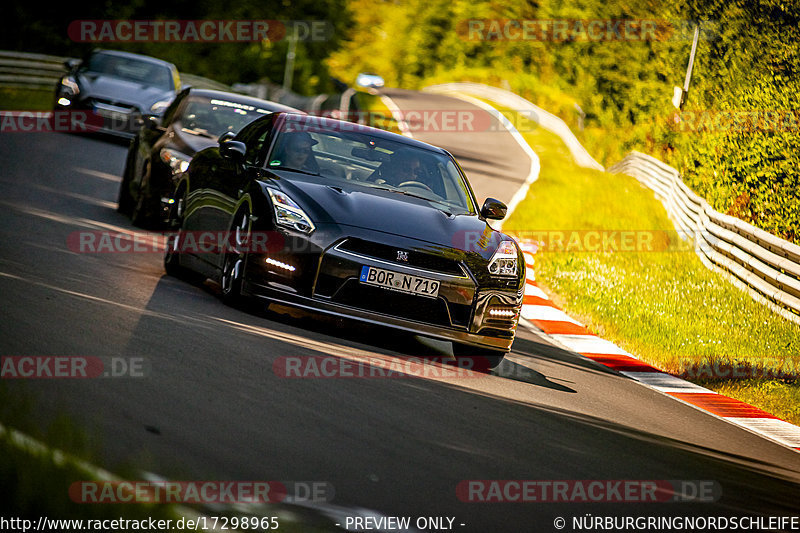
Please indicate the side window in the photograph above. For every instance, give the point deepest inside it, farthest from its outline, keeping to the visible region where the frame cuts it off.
(254, 136)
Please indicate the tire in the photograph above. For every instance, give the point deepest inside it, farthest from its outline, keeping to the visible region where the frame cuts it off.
(233, 263)
(124, 199)
(480, 359)
(172, 260)
(141, 214)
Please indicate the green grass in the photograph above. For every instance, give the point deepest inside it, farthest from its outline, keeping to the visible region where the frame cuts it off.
(26, 99)
(663, 306)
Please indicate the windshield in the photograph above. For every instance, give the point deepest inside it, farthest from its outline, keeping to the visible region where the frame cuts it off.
(144, 72)
(321, 148)
(212, 117)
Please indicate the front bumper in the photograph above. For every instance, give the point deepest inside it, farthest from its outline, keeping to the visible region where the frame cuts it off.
(327, 281)
(90, 116)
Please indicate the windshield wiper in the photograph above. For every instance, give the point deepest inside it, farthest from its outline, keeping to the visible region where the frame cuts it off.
(200, 132)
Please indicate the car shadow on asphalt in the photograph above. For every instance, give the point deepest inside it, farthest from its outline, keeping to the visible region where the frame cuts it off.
(408, 347)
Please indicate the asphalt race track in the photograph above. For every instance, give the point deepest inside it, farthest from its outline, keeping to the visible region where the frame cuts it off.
(212, 407)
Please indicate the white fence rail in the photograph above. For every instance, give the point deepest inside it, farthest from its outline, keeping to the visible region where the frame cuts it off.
(765, 266)
(18, 69)
(39, 71)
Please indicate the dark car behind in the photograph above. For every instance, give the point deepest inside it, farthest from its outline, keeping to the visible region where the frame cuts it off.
(194, 120)
(118, 89)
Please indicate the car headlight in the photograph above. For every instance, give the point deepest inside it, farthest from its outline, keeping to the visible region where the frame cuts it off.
(159, 107)
(176, 160)
(504, 260)
(69, 86)
(288, 213)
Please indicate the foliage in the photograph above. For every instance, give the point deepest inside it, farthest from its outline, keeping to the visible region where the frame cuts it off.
(747, 60)
(38, 26)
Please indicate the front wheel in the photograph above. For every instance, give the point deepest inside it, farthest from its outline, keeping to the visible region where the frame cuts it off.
(174, 244)
(233, 262)
(480, 359)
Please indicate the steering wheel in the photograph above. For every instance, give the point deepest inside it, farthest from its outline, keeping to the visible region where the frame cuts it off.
(415, 184)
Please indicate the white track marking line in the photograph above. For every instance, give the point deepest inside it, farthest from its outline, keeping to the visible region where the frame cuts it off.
(666, 382)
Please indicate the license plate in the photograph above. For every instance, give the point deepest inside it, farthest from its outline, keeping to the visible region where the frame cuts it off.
(397, 281)
(117, 116)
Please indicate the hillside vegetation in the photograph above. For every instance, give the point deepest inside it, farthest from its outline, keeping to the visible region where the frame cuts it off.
(736, 142)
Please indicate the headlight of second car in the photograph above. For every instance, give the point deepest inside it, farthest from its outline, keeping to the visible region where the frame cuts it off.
(69, 87)
(159, 107)
(177, 161)
(288, 213)
(504, 260)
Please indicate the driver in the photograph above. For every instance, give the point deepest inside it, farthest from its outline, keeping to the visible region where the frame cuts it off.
(297, 152)
(405, 166)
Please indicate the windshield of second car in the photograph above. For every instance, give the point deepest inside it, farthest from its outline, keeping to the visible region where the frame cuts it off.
(214, 116)
(360, 159)
(144, 72)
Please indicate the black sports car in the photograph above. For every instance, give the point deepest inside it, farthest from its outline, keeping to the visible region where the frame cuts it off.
(194, 120)
(120, 88)
(352, 221)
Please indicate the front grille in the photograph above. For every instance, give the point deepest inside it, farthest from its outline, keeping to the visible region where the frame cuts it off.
(419, 308)
(415, 259)
(104, 101)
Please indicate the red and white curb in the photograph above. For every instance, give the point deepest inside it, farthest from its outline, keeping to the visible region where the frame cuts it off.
(568, 333)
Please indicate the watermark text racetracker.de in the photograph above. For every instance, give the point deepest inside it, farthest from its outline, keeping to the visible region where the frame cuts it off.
(739, 121)
(377, 367)
(72, 367)
(198, 31)
(583, 30)
(210, 492)
(193, 242)
(587, 491)
(63, 121)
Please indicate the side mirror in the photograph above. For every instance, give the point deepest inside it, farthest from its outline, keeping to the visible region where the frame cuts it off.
(493, 209)
(233, 150)
(152, 122)
(225, 137)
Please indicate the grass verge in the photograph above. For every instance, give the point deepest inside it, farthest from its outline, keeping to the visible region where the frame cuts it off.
(26, 99)
(664, 306)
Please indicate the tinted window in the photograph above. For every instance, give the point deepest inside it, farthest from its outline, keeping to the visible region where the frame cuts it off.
(254, 136)
(130, 69)
(215, 116)
(351, 156)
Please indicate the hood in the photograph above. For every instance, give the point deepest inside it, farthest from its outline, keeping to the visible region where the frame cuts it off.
(387, 212)
(189, 143)
(123, 91)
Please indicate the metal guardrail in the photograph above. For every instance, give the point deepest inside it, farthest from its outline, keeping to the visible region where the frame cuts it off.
(761, 264)
(40, 71)
(765, 266)
(36, 71)
(313, 105)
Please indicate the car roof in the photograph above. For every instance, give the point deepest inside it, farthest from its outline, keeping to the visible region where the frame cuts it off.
(368, 130)
(131, 55)
(244, 99)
